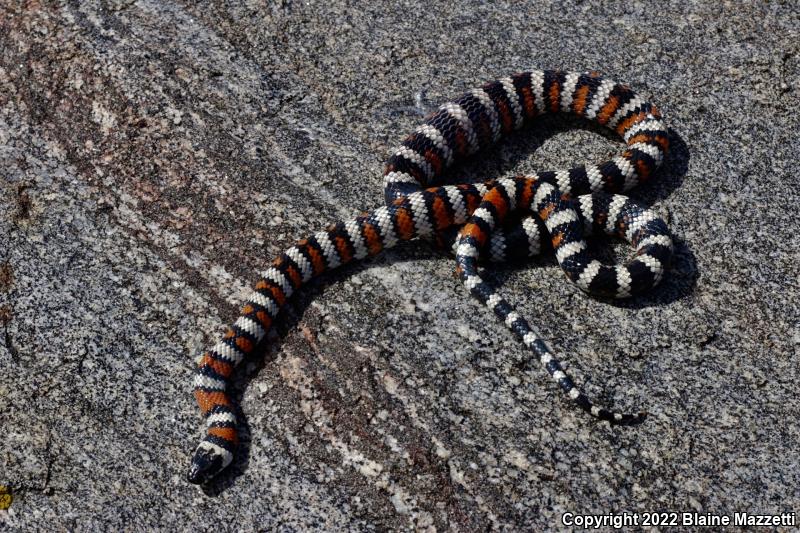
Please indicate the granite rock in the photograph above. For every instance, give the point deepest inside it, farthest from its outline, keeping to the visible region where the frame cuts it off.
(155, 155)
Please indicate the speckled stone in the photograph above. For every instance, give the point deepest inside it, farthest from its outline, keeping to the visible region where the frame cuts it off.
(155, 155)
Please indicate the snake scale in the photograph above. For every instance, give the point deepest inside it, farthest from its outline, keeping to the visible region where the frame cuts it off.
(554, 209)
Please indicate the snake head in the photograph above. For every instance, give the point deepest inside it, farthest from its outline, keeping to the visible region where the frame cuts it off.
(209, 460)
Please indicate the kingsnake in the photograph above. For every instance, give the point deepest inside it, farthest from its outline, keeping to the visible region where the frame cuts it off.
(559, 207)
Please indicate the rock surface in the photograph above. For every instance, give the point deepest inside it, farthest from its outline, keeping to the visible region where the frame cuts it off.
(155, 155)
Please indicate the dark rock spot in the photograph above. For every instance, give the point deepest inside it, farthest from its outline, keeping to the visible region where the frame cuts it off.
(6, 276)
(24, 203)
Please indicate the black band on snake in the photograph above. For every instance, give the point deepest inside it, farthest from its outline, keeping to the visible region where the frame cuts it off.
(558, 208)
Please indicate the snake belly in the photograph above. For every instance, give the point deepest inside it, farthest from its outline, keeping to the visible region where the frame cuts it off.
(502, 219)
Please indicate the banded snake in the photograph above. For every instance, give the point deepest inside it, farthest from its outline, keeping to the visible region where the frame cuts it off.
(560, 208)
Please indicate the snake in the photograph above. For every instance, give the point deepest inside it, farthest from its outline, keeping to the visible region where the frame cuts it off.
(498, 220)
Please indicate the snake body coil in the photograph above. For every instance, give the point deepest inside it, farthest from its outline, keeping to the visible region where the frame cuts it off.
(560, 208)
